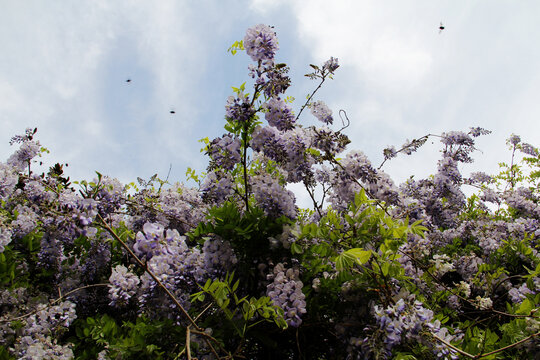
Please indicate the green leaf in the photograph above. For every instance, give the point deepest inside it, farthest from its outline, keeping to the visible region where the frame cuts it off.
(296, 248)
(361, 256)
(525, 308)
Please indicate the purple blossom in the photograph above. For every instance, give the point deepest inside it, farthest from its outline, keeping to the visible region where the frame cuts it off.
(528, 149)
(477, 131)
(224, 152)
(123, 285)
(279, 114)
(182, 207)
(270, 142)
(479, 177)
(390, 152)
(261, 43)
(5, 238)
(517, 295)
(239, 109)
(8, 180)
(406, 320)
(219, 257)
(110, 194)
(514, 139)
(331, 65)
(26, 220)
(20, 160)
(272, 197)
(456, 138)
(154, 240)
(322, 112)
(217, 187)
(285, 291)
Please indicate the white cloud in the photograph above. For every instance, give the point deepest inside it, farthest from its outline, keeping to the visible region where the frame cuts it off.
(63, 70)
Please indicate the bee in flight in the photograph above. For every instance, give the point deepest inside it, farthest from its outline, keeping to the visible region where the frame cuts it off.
(441, 27)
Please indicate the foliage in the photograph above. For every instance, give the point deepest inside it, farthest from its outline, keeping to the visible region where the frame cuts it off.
(234, 269)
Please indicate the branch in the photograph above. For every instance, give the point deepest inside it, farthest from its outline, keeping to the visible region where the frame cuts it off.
(309, 98)
(479, 356)
(188, 342)
(53, 302)
(313, 199)
(464, 353)
(509, 346)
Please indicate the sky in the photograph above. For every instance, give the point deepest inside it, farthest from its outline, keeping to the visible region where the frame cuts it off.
(64, 66)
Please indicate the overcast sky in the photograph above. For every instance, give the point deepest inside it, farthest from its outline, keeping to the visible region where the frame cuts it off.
(64, 66)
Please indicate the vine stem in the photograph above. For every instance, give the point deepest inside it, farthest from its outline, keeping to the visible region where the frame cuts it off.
(244, 164)
(54, 302)
(462, 352)
(311, 194)
(479, 356)
(188, 342)
(310, 97)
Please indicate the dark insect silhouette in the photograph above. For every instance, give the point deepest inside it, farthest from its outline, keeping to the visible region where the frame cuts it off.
(173, 112)
(128, 80)
(441, 28)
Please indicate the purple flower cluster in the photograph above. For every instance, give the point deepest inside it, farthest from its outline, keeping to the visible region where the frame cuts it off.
(528, 149)
(239, 109)
(288, 149)
(37, 340)
(261, 43)
(518, 294)
(217, 187)
(20, 160)
(321, 111)
(123, 285)
(224, 152)
(272, 197)
(285, 291)
(154, 240)
(279, 114)
(218, 255)
(110, 195)
(181, 207)
(8, 180)
(5, 238)
(405, 320)
(180, 269)
(331, 65)
(26, 220)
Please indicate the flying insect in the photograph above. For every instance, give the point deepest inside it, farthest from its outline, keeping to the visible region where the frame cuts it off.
(441, 27)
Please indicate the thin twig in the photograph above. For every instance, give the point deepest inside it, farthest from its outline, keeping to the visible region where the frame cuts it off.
(509, 346)
(313, 199)
(51, 303)
(188, 342)
(345, 125)
(298, 346)
(453, 347)
(309, 98)
(515, 315)
(479, 356)
(202, 312)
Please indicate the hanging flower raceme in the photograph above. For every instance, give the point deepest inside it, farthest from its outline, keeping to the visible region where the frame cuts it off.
(261, 43)
(279, 114)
